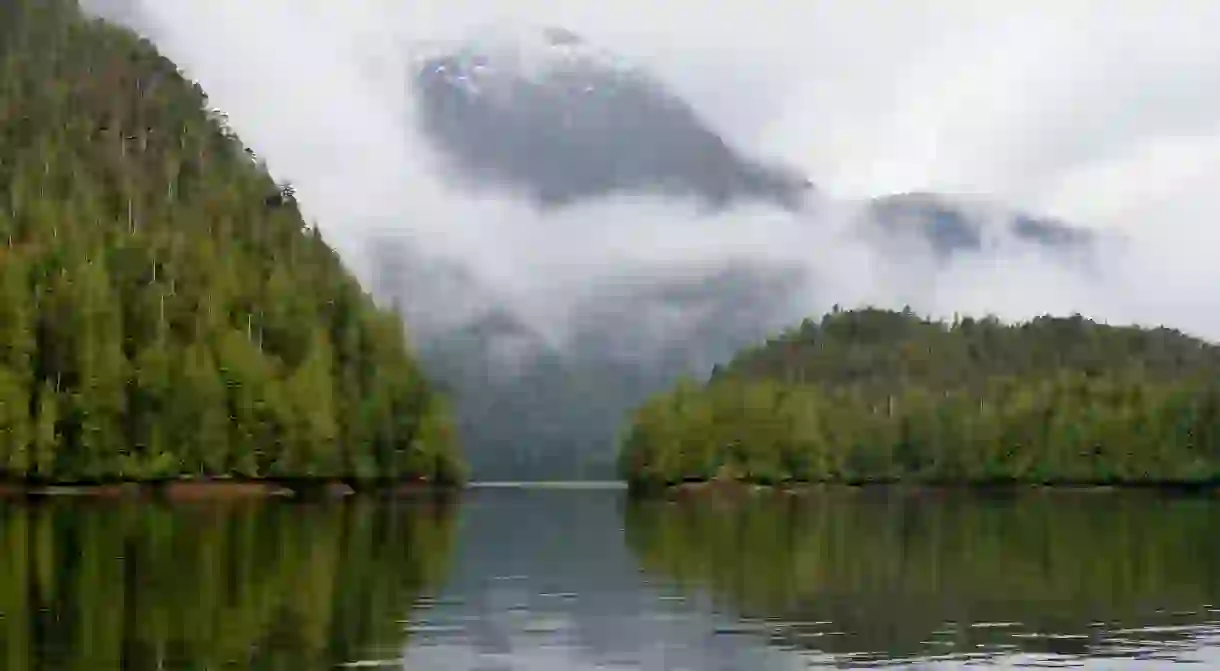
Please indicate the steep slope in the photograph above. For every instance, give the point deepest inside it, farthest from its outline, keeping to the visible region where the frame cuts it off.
(879, 395)
(164, 309)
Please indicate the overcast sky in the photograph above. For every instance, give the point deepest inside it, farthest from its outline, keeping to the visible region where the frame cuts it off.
(1105, 113)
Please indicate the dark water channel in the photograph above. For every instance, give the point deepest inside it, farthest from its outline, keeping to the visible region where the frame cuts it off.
(512, 578)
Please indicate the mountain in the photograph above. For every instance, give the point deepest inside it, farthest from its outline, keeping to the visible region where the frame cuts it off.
(528, 407)
(554, 119)
(165, 310)
(953, 225)
(550, 118)
(562, 122)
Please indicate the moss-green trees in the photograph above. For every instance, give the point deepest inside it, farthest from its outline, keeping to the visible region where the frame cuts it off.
(872, 395)
(164, 308)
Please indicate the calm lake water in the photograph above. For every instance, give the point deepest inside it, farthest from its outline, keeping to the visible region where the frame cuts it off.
(584, 579)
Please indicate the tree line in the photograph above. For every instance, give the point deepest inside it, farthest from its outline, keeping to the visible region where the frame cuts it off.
(164, 308)
(883, 396)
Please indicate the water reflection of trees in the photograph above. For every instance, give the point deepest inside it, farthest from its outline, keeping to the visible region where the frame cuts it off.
(215, 585)
(906, 574)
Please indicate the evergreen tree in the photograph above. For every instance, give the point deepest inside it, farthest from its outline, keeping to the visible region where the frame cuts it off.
(873, 395)
(164, 309)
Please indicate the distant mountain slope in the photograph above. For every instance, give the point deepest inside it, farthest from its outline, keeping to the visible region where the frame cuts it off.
(560, 121)
(164, 309)
(529, 410)
(563, 122)
(953, 225)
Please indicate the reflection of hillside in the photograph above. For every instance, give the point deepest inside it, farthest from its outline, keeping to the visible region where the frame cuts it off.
(908, 575)
(232, 585)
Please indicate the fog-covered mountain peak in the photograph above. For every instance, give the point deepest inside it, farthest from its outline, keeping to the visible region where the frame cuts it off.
(563, 121)
(969, 223)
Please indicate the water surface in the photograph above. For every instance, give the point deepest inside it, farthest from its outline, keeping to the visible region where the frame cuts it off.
(563, 578)
(212, 585)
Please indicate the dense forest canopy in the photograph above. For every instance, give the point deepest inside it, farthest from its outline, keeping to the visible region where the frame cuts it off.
(164, 308)
(876, 395)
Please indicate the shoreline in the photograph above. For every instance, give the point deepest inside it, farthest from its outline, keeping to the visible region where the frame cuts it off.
(740, 487)
(187, 490)
(183, 491)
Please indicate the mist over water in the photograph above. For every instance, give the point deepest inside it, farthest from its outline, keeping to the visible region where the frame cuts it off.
(1103, 117)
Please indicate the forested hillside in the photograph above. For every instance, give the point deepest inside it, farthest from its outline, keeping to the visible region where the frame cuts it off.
(164, 308)
(874, 395)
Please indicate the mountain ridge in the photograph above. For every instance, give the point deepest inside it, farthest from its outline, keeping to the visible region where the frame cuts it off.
(546, 114)
(547, 120)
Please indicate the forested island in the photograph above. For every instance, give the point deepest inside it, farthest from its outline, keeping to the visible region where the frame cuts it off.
(165, 311)
(878, 396)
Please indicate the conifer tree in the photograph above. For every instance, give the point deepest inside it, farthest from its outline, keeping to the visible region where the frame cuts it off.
(873, 395)
(164, 309)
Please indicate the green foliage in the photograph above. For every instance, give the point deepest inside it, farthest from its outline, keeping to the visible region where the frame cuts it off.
(873, 395)
(164, 308)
